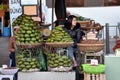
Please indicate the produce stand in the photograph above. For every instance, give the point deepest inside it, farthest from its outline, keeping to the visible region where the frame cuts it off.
(29, 46)
(28, 57)
(57, 55)
(56, 48)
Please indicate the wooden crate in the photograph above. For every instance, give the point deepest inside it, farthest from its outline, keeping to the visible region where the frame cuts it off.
(94, 76)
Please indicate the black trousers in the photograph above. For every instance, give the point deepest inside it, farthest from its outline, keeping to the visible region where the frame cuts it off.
(12, 57)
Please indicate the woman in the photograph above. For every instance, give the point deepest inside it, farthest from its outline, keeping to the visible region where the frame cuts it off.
(73, 28)
(11, 47)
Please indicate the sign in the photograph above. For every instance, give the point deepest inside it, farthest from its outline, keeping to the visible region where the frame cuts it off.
(29, 2)
(15, 10)
(117, 52)
(30, 10)
(94, 62)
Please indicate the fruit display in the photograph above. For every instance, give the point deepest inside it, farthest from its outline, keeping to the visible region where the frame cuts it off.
(55, 62)
(27, 64)
(19, 20)
(28, 33)
(59, 35)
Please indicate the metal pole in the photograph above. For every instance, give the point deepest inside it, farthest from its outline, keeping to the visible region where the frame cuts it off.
(107, 39)
(41, 10)
(53, 13)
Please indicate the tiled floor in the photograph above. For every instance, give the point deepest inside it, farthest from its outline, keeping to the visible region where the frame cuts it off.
(4, 53)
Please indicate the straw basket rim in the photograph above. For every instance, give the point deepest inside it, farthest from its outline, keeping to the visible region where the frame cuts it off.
(59, 44)
(24, 45)
(90, 47)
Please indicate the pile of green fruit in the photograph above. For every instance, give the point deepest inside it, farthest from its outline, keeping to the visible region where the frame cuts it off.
(27, 64)
(19, 20)
(28, 32)
(54, 60)
(59, 35)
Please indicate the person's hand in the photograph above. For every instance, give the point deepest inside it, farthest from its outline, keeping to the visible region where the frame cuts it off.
(12, 50)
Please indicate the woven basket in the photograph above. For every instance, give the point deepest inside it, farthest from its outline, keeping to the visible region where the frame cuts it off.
(88, 25)
(91, 45)
(93, 69)
(59, 44)
(87, 28)
(28, 45)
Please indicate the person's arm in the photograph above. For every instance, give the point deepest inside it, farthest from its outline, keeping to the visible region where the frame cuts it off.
(79, 37)
(11, 45)
(80, 33)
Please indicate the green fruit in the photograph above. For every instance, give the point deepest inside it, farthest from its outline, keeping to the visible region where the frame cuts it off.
(60, 64)
(27, 39)
(33, 66)
(32, 63)
(22, 66)
(56, 61)
(22, 39)
(23, 32)
(55, 65)
(51, 66)
(28, 32)
(31, 42)
(64, 57)
(27, 35)
(33, 59)
(26, 63)
(32, 35)
(28, 67)
(33, 39)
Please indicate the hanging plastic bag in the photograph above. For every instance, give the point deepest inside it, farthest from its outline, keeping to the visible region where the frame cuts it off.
(41, 60)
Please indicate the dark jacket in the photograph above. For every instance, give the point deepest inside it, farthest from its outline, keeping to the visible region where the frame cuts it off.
(76, 33)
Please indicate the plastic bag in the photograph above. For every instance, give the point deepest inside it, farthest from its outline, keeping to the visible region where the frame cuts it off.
(41, 60)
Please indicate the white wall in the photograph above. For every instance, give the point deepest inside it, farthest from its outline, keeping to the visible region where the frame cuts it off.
(101, 15)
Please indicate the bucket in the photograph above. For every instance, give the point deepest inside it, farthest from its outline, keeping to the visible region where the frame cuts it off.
(6, 32)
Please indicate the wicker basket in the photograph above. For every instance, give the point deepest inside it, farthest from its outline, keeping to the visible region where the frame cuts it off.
(87, 28)
(59, 44)
(28, 45)
(91, 45)
(88, 25)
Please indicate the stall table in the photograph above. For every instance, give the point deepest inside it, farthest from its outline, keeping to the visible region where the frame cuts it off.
(46, 75)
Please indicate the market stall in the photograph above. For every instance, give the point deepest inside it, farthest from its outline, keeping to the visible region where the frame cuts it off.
(31, 43)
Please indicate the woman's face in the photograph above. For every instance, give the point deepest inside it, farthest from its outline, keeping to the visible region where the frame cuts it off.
(74, 22)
